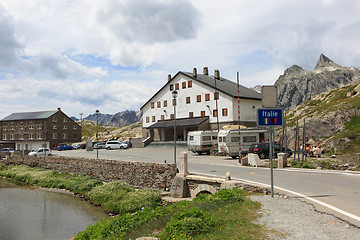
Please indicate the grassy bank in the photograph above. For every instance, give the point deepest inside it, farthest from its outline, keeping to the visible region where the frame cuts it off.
(228, 214)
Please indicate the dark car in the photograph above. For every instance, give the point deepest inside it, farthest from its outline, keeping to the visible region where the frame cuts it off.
(262, 149)
(80, 146)
(64, 147)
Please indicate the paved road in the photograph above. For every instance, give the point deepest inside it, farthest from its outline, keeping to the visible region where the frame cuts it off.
(338, 189)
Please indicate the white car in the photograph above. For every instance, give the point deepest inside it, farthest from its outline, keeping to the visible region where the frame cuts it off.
(40, 152)
(115, 145)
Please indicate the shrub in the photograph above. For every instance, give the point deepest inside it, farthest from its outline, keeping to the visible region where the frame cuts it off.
(301, 164)
(325, 164)
(188, 223)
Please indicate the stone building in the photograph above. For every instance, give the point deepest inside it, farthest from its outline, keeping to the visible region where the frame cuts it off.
(30, 130)
(203, 102)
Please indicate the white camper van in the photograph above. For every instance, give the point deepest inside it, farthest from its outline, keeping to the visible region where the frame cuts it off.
(202, 141)
(228, 140)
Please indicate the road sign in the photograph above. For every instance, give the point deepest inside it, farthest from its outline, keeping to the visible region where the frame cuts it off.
(269, 117)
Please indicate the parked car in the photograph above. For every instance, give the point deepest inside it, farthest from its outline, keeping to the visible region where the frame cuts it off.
(99, 145)
(80, 146)
(7, 151)
(40, 152)
(115, 145)
(262, 149)
(64, 147)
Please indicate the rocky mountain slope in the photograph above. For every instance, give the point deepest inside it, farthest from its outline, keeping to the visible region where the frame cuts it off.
(119, 119)
(297, 85)
(332, 119)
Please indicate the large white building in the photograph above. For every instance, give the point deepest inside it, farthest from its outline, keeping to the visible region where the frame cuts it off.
(203, 102)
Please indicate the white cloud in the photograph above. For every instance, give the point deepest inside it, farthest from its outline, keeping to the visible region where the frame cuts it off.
(134, 44)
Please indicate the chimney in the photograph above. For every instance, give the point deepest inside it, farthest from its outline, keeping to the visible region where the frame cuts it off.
(59, 109)
(169, 77)
(217, 74)
(194, 73)
(206, 71)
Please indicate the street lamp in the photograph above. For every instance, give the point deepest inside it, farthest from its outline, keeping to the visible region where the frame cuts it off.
(174, 95)
(97, 133)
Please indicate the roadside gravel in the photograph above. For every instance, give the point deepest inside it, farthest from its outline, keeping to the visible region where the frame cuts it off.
(299, 220)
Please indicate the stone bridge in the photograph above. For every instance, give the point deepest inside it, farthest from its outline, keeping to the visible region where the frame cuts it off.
(188, 185)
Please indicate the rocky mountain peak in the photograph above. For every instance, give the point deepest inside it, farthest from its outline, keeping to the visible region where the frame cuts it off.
(324, 61)
(297, 85)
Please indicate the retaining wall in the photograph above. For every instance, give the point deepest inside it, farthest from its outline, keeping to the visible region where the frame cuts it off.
(139, 174)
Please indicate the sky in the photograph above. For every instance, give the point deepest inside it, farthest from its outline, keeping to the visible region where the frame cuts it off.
(113, 55)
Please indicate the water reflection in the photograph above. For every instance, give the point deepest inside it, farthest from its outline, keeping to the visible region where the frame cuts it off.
(38, 214)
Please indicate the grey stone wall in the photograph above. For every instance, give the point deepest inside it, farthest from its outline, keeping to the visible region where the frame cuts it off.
(139, 174)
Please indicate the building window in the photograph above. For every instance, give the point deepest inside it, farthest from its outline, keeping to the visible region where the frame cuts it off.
(39, 127)
(158, 104)
(31, 136)
(189, 84)
(171, 87)
(54, 136)
(21, 137)
(153, 118)
(75, 127)
(5, 128)
(162, 117)
(152, 105)
(224, 112)
(21, 128)
(215, 113)
(172, 116)
(174, 101)
(176, 86)
(12, 128)
(12, 137)
(54, 119)
(202, 113)
(39, 136)
(54, 127)
(65, 119)
(165, 103)
(31, 127)
(191, 115)
(64, 127)
(64, 135)
(207, 97)
(198, 98)
(187, 100)
(216, 95)
(4, 137)
(183, 85)
(147, 119)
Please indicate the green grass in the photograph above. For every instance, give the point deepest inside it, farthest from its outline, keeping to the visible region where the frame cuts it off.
(228, 214)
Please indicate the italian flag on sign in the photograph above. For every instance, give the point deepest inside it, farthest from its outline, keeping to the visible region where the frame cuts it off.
(266, 120)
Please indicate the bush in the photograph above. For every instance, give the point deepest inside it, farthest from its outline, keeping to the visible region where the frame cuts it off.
(325, 164)
(301, 164)
(118, 197)
(188, 223)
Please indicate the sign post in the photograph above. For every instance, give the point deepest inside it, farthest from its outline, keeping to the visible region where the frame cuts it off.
(270, 117)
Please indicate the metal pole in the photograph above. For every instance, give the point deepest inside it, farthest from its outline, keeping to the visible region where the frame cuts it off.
(239, 126)
(298, 140)
(285, 140)
(174, 130)
(97, 134)
(271, 162)
(304, 139)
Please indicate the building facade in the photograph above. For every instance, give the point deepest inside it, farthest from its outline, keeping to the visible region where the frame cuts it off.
(30, 130)
(203, 103)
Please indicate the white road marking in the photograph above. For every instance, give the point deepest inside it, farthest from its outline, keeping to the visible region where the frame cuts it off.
(350, 215)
